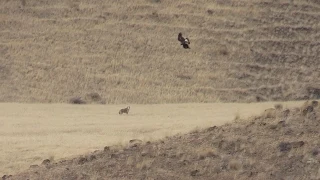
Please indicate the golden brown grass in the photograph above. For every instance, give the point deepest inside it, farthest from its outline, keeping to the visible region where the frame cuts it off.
(127, 52)
(34, 132)
(120, 52)
(250, 149)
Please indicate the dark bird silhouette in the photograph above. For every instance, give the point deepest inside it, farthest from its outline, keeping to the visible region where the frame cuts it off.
(184, 41)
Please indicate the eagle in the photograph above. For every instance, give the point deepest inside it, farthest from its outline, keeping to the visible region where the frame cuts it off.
(184, 41)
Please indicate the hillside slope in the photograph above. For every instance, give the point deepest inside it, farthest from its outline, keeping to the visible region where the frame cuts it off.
(127, 52)
(279, 144)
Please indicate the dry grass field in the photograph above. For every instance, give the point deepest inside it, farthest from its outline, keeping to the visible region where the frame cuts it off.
(119, 53)
(279, 143)
(31, 133)
(127, 52)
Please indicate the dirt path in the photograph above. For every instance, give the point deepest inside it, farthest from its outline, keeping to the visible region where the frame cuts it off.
(33, 132)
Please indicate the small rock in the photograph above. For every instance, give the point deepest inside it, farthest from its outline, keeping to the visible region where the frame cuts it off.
(92, 157)
(34, 166)
(107, 148)
(184, 162)
(144, 153)
(288, 132)
(45, 162)
(286, 112)
(312, 161)
(114, 156)
(84, 176)
(316, 151)
(4, 177)
(307, 110)
(134, 143)
(211, 128)
(314, 103)
(273, 126)
(285, 146)
(297, 144)
(282, 123)
(163, 154)
(194, 172)
(82, 160)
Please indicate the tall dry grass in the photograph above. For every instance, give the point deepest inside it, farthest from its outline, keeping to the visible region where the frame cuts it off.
(127, 52)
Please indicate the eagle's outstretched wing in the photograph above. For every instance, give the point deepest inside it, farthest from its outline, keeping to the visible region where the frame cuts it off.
(180, 38)
(187, 41)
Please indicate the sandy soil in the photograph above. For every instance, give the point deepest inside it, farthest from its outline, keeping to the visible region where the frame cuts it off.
(33, 132)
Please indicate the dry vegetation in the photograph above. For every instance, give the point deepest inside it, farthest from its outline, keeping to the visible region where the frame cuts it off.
(283, 146)
(127, 52)
(30, 133)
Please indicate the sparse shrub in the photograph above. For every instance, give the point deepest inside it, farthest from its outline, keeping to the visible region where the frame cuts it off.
(130, 161)
(211, 128)
(314, 92)
(23, 2)
(223, 52)
(315, 103)
(284, 146)
(235, 165)
(46, 162)
(184, 77)
(307, 110)
(94, 96)
(194, 172)
(106, 148)
(278, 107)
(286, 112)
(316, 151)
(207, 152)
(82, 160)
(155, 1)
(145, 164)
(34, 166)
(92, 157)
(260, 99)
(51, 158)
(237, 117)
(209, 11)
(297, 144)
(135, 143)
(77, 100)
(269, 113)
(103, 101)
(74, 6)
(155, 14)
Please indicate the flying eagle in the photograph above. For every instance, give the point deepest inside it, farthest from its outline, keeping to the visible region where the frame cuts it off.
(184, 41)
